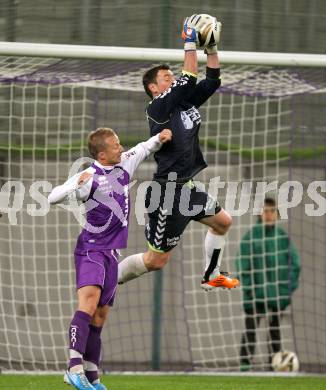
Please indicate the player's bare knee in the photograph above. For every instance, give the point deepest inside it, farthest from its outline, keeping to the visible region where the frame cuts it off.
(221, 227)
(100, 316)
(88, 303)
(227, 222)
(156, 261)
(91, 306)
(223, 224)
(156, 265)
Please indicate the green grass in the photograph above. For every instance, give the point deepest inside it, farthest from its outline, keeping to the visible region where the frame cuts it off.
(178, 382)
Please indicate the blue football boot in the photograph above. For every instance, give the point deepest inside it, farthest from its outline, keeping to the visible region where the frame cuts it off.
(78, 380)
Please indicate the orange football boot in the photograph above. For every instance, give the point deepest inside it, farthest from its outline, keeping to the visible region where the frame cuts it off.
(222, 280)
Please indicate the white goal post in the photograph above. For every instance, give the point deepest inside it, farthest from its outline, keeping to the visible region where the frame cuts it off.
(265, 123)
(157, 54)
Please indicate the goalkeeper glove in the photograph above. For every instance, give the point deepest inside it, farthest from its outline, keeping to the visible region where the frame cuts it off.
(189, 35)
(208, 31)
(213, 37)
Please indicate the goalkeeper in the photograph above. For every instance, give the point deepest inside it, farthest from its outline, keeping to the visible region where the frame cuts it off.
(175, 104)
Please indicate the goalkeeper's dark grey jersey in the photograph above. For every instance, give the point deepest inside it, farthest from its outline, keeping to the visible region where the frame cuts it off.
(176, 109)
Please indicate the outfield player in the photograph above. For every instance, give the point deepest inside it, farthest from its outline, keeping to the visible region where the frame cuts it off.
(175, 105)
(104, 187)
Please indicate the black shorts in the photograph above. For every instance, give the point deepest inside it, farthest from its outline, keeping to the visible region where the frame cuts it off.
(170, 208)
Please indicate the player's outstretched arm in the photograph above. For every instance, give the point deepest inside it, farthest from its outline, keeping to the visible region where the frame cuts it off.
(211, 49)
(213, 61)
(162, 105)
(80, 184)
(153, 144)
(189, 35)
(208, 32)
(133, 157)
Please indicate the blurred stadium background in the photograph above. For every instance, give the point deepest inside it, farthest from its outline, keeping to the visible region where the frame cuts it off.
(47, 108)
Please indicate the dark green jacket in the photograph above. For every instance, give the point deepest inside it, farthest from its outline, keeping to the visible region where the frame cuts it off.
(268, 267)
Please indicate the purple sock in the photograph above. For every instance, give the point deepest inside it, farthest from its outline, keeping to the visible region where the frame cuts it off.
(75, 362)
(92, 376)
(78, 335)
(93, 351)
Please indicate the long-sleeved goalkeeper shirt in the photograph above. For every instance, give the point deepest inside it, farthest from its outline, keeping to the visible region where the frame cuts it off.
(177, 109)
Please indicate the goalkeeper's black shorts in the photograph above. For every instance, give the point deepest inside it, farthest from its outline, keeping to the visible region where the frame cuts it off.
(171, 209)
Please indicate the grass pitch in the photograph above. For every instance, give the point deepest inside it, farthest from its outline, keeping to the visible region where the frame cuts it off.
(169, 382)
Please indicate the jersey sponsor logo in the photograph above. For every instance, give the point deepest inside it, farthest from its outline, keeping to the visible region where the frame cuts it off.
(103, 185)
(129, 154)
(183, 80)
(108, 193)
(73, 334)
(187, 122)
(172, 241)
(126, 208)
(190, 117)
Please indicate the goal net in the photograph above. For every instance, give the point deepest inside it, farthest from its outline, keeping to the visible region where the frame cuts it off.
(265, 124)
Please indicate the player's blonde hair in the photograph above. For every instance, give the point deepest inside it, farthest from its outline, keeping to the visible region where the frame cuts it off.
(96, 140)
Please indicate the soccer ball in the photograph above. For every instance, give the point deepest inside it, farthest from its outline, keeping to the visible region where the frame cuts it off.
(285, 361)
(209, 34)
